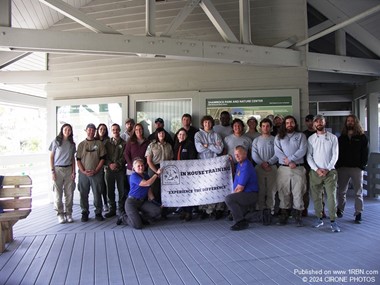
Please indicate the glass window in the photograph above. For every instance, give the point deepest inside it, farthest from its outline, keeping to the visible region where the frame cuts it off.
(170, 111)
(82, 114)
(22, 129)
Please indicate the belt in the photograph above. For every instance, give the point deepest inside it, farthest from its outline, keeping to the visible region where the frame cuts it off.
(297, 165)
(133, 198)
(63, 165)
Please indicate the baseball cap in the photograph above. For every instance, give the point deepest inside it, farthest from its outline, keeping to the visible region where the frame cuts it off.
(309, 117)
(159, 120)
(318, 117)
(91, 126)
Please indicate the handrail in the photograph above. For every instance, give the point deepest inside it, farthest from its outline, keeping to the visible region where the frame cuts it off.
(372, 177)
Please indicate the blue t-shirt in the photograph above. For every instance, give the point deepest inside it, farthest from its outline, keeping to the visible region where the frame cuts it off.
(245, 175)
(137, 191)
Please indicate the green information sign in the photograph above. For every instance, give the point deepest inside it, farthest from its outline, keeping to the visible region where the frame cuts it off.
(244, 108)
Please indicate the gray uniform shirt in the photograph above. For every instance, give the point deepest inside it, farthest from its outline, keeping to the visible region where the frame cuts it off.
(263, 150)
(293, 146)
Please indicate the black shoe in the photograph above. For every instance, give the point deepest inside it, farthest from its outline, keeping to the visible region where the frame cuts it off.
(110, 214)
(339, 213)
(218, 215)
(99, 217)
(84, 217)
(203, 215)
(241, 225)
(358, 218)
(267, 217)
(188, 216)
(119, 220)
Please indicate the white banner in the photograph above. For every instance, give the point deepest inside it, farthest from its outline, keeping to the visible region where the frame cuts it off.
(195, 182)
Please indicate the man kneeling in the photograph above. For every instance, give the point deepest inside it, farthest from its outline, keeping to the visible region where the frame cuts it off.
(245, 189)
(140, 207)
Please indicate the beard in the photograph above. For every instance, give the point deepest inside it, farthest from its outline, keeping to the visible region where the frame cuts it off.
(320, 128)
(350, 127)
(290, 130)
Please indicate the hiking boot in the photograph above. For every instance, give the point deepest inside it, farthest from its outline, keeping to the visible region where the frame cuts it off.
(61, 219)
(99, 217)
(188, 216)
(69, 218)
(334, 227)
(241, 225)
(318, 223)
(283, 217)
(358, 218)
(84, 217)
(267, 217)
(298, 218)
(110, 214)
(339, 213)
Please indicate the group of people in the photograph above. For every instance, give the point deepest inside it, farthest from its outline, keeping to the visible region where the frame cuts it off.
(274, 166)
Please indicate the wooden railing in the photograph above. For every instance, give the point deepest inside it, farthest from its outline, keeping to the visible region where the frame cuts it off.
(372, 175)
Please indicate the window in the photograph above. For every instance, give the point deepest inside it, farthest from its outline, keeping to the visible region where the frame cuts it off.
(22, 129)
(170, 111)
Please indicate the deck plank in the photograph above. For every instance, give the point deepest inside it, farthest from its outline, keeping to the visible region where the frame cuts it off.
(38, 262)
(175, 252)
(76, 259)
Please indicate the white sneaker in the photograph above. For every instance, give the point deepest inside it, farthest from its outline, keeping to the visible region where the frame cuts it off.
(61, 219)
(69, 219)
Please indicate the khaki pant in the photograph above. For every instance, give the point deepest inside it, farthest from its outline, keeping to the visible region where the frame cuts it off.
(355, 174)
(291, 182)
(317, 186)
(63, 186)
(267, 187)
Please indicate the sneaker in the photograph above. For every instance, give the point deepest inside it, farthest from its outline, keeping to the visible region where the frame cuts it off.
(84, 217)
(358, 218)
(69, 218)
(61, 219)
(339, 213)
(110, 214)
(99, 217)
(241, 225)
(334, 227)
(318, 223)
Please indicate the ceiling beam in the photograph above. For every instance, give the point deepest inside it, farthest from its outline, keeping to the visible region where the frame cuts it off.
(328, 77)
(12, 39)
(180, 18)
(340, 25)
(218, 21)
(150, 18)
(245, 21)
(5, 13)
(334, 14)
(343, 64)
(79, 17)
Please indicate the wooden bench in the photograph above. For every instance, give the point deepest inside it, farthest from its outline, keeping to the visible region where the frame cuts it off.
(16, 201)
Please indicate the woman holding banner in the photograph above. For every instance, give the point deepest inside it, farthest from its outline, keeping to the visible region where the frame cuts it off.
(184, 149)
(158, 151)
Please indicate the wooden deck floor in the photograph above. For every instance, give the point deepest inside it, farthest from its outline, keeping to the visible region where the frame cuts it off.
(196, 252)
